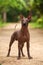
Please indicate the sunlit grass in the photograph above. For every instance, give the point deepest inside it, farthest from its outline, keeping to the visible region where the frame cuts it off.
(36, 25)
(2, 24)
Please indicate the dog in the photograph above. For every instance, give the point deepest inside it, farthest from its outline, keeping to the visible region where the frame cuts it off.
(21, 36)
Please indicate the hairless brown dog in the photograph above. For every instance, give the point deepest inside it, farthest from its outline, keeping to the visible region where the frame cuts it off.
(21, 36)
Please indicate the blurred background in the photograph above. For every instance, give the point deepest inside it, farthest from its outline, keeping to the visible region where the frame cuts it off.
(11, 9)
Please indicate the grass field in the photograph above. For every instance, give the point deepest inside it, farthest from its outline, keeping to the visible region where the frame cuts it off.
(36, 25)
(2, 24)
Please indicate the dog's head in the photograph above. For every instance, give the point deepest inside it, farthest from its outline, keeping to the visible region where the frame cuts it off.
(24, 20)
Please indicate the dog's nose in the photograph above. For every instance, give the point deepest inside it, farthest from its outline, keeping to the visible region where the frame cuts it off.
(24, 24)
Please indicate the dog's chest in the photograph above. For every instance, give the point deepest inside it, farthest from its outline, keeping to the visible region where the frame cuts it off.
(23, 36)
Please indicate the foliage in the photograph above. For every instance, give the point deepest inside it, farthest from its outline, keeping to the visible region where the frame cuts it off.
(13, 8)
(38, 23)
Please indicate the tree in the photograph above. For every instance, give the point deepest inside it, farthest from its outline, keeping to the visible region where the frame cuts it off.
(4, 8)
(17, 5)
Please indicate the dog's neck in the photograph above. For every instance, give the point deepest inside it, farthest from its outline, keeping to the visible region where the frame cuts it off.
(24, 29)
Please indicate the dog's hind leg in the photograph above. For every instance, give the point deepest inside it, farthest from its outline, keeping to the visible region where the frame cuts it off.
(11, 42)
(19, 48)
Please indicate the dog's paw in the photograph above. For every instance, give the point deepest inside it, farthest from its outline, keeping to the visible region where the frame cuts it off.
(30, 57)
(7, 55)
(23, 55)
(18, 58)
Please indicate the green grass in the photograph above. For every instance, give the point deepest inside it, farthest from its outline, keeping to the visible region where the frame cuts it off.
(36, 25)
(0, 64)
(2, 24)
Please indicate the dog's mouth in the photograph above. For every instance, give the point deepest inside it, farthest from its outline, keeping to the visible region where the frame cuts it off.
(24, 24)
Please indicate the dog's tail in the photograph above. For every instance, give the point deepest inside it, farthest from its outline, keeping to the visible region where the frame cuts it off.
(15, 27)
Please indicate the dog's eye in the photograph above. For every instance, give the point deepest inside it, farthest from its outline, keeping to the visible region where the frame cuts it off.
(27, 20)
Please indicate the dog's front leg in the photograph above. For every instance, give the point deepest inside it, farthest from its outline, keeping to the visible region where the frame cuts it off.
(28, 51)
(22, 50)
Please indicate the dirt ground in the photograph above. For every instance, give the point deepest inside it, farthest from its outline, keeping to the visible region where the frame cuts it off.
(36, 47)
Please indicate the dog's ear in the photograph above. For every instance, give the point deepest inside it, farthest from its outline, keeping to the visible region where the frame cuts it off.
(29, 18)
(30, 15)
